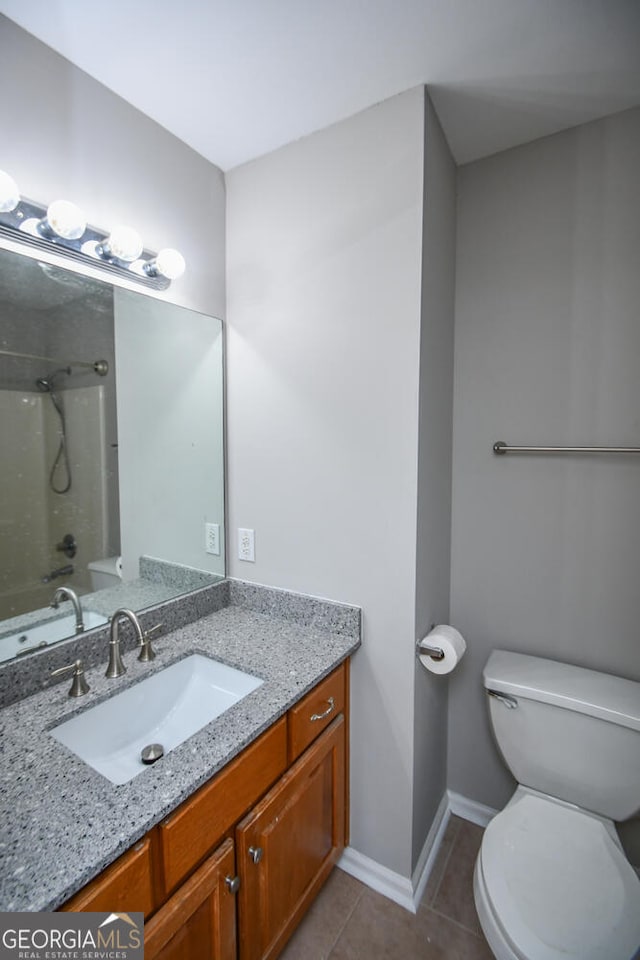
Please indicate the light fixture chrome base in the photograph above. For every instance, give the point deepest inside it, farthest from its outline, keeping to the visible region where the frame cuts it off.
(21, 224)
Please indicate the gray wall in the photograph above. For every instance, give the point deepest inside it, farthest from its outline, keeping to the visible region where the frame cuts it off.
(545, 550)
(65, 135)
(324, 271)
(434, 470)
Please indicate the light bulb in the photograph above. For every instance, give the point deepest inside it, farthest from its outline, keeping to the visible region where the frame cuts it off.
(170, 263)
(65, 219)
(9, 193)
(123, 243)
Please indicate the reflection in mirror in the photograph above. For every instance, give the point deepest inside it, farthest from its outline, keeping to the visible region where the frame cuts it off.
(111, 437)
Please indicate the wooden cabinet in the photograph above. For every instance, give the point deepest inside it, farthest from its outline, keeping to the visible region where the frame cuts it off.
(288, 844)
(127, 886)
(199, 920)
(231, 872)
(313, 714)
(201, 822)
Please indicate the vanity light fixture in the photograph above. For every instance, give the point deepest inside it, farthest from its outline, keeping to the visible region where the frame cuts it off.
(123, 243)
(9, 193)
(62, 227)
(64, 220)
(167, 263)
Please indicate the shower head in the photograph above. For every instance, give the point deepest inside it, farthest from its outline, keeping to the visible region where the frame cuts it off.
(46, 383)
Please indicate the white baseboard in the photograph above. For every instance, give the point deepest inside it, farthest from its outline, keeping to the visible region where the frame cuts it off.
(409, 892)
(406, 892)
(430, 850)
(470, 809)
(390, 884)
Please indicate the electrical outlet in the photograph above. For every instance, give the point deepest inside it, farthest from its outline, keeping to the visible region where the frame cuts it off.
(212, 538)
(246, 545)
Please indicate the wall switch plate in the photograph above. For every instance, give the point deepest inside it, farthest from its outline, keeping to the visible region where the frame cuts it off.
(246, 545)
(212, 538)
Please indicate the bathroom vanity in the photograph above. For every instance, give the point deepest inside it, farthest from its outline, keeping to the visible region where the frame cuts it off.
(252, 845)
(223, 843)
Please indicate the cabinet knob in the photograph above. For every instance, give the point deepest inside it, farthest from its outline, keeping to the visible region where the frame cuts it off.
(256, 854)
(233, 884)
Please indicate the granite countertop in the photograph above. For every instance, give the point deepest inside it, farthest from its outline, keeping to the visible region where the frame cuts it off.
(158, 581)
(62, 822)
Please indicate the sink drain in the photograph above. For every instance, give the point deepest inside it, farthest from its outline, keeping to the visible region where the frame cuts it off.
(151, 753)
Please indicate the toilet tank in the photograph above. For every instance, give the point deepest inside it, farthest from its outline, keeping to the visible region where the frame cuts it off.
(106, 572)
(568, 732)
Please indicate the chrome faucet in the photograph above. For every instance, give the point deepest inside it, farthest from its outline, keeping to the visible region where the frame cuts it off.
(66, 593)
(116, 667)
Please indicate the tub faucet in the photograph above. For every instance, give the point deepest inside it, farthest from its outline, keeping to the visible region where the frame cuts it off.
(66, 593)
(116, 667)
(65, 571)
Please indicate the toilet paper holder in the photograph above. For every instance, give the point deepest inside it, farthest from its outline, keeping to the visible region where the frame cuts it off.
(436, 653)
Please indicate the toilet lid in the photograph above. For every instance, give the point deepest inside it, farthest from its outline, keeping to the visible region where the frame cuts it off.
(559, 884)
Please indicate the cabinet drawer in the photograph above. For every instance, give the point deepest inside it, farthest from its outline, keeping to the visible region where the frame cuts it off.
(124, 887)
(315, 712)
(187, 835)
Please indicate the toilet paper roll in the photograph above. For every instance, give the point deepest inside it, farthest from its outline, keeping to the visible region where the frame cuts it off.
(112, 565)
(452, 644)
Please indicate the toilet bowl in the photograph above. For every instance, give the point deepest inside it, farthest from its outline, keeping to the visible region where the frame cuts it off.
(105, 573)
(551, 879)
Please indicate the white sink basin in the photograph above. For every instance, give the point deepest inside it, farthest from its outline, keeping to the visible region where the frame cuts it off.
(166, 708)
(24, 641)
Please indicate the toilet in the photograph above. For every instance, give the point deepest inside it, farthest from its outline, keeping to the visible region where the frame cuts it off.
(105, 573)
(551, 879)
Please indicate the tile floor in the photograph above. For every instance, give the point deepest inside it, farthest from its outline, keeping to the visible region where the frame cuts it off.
(348, 921)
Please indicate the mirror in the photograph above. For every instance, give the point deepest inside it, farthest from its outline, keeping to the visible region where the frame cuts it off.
(111, 433)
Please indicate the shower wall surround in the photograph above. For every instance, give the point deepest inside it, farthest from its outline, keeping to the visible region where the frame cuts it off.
(29, 536)
(21, 415)
(49, 312)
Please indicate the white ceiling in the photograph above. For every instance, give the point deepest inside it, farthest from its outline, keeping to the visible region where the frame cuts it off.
(238, 78)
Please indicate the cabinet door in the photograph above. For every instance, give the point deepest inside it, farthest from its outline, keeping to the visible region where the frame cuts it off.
(289, 843)
(199, 921)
